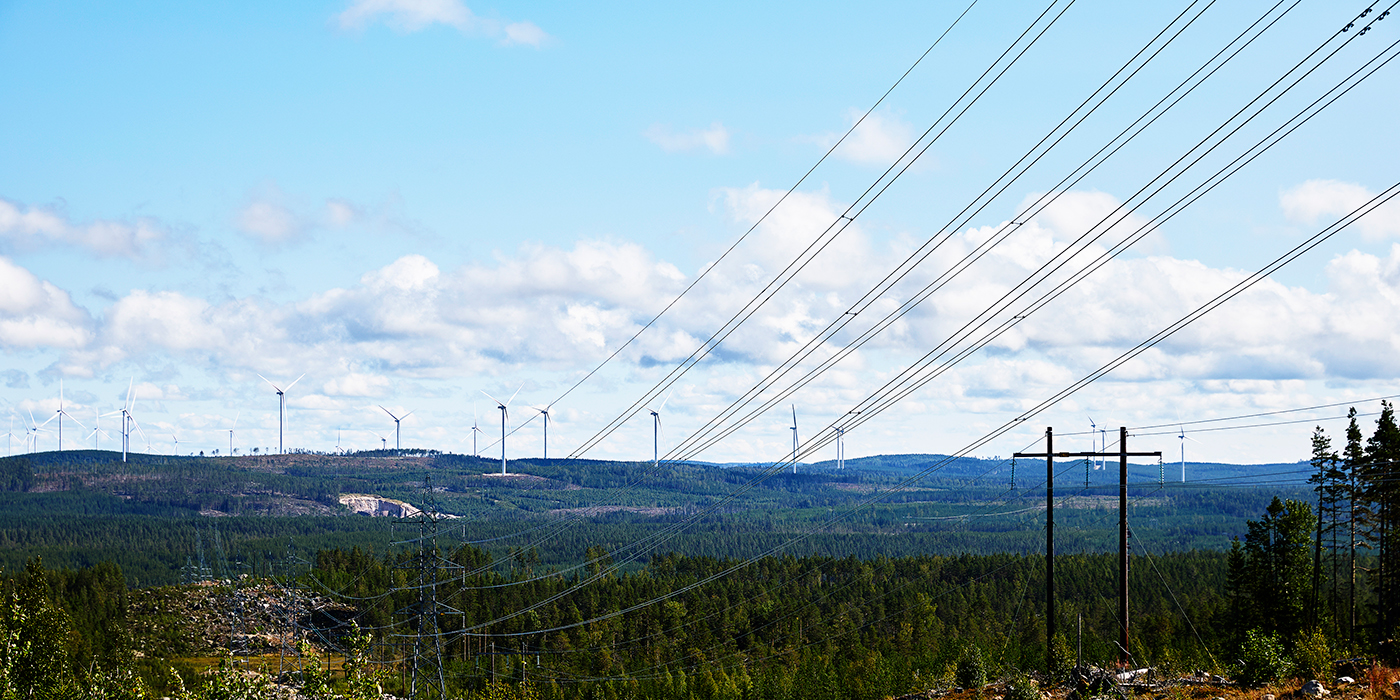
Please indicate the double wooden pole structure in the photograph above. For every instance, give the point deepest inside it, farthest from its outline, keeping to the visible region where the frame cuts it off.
(1050, 454)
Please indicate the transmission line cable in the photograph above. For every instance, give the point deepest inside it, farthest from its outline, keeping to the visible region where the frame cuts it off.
(707, 269)
(861, 410)
(873, 192)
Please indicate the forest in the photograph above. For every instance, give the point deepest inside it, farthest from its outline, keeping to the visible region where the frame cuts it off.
(612, 606)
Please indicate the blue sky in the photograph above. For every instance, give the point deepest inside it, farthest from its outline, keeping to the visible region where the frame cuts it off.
(412, 201)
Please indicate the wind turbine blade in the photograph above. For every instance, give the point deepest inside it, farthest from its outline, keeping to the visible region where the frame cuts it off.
(294, 381)
(48, 421)
(269, 383)
(517, 393)
(498, 401)
(130, 384)
(75, 420)
(408, 414)
(390, 414)
(668, 398)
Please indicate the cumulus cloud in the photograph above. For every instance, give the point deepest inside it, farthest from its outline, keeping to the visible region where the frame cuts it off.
(408, 16)
(879, 140)
(1312, 200)
(543, 310)
(36, 314)
(30, 228)
(714, 139)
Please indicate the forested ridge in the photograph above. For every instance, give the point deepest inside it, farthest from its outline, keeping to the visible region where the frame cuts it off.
(895, 595)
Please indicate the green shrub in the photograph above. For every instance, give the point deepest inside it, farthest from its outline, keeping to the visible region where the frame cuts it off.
(1261, 659)
(1021, 687)
(1061, 658)
(1312, 656)
(971, 671)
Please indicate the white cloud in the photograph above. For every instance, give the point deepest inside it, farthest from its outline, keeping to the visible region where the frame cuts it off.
(714, 139)
(36, 314)
(545, 314)
(879, 140)
(414, 15)
(1315, 199)
(39, 227)
(270, 222)
(357, 384)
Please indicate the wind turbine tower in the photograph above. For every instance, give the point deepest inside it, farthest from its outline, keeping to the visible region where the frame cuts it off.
(794, 438)
(840, 447)
(397, 445)
(544, 412)
(1184, 438)
(60, 414)
(230, 432)
(281, 405)
(505, 415)
(656, 431)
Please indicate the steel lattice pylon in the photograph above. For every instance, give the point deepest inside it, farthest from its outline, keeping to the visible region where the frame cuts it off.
(426, 678)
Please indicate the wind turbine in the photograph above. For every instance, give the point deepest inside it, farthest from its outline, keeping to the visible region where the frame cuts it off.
(505, 414)
(31, 433)
(61, 413)
(383, 441)
(475, 430)
(177, 442)
(97, 430)
(840, 447)
(10, 436)
(794, 438)
(545, 412)
(1184, 437)
(656, 430)
(397, 447)
(127, 419)
(230, 432)
(281, 405)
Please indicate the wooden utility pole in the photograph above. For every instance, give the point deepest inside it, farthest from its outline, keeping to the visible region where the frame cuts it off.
(1049, 454)
(1123, 455)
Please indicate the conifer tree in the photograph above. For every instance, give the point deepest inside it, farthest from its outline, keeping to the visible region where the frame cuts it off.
(1353, 460)
(1380, 493)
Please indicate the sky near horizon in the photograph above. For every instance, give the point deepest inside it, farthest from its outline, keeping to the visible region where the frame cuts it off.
(412, 202)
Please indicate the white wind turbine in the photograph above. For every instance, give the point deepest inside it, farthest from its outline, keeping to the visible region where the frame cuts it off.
(656, 431)
(840, 447)
(176, 438)
(383, 441)
(397, 445)
(794, 438)
(31, 434)
(230, 432)
(60, 413)
(97, 431)
(1184, 437)
(475, 430)
(127, 419)
(505, 415)
(545, 412)
(10, 436)
(281, 405)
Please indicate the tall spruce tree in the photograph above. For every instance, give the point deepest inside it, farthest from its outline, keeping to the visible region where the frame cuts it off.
(1329, 481)
(1380, 493)
(1353, 461)
(1279, 564)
